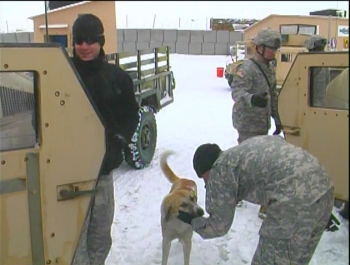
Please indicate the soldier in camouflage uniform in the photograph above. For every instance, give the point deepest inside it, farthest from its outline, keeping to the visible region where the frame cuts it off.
(254, 89)
(320, 76)
(266, 170)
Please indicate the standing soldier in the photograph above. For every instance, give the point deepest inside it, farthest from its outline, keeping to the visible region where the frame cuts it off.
(254, 89)
(266, 170)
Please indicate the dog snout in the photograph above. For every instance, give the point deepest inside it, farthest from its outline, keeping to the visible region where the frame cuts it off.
(200, 212)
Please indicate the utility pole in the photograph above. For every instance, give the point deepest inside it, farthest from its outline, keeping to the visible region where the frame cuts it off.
(46, 24)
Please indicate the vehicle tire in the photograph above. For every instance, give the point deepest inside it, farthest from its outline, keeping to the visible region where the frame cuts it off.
(141, 150)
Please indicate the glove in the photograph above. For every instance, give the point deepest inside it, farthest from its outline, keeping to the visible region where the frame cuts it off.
(333, 224)
(278, 130)
(259, 100)
(185, 217)
(121, 140)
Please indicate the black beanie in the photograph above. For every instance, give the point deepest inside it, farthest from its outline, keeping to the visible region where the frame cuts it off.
(89, 25)
(205, 157)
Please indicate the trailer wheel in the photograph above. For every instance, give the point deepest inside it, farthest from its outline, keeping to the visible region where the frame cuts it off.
(143, 143)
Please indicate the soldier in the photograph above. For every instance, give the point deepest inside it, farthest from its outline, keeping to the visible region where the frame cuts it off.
(320, 76)
(266, 170)
(111, 91)
(315, 43)
(254, 89)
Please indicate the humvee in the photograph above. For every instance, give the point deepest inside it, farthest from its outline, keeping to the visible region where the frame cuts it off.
(293, 38)
(49, 165)
(235, 50)
(313, 105)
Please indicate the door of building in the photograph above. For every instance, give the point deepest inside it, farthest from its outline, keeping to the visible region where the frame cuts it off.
(62, 39)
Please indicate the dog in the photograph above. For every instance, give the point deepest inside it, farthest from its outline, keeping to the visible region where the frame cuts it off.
(182, 196)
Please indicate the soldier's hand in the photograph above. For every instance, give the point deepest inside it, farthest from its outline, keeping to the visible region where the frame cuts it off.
(185, 217)
(259, 100)
(278, 129)
(333, 224)
(121, 140)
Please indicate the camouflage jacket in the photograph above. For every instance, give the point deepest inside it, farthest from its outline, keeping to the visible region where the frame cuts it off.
(247, 81)
(264, 170)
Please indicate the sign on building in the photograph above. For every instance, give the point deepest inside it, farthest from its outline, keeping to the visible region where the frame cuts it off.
(343, 31)
(333, 43)
(346, 43)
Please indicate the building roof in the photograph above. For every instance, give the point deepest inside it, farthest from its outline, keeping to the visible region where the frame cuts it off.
(292, 16)
(61, 8)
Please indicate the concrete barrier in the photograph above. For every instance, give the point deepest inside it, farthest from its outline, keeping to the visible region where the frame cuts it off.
(206, 42)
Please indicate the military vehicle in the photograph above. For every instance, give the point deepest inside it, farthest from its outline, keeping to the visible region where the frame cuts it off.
(313, 106)
(293, 39)
(49, 166)
(245, 48)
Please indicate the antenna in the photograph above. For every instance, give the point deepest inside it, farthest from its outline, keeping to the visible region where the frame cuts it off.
(46, 23)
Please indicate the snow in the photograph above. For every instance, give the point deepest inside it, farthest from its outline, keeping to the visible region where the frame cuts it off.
(201, 113)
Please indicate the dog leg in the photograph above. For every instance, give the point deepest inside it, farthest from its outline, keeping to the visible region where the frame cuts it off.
(165, 252)
(187, 246)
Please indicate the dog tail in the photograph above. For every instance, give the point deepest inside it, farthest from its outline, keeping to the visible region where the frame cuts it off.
(170, 175)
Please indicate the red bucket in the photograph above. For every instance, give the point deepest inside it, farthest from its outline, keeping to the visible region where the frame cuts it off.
(220, 72)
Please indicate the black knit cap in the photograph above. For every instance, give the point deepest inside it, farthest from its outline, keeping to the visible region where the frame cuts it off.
(205, 157)
(89, 25)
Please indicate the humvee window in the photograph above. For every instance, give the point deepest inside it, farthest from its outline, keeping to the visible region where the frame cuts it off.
(329, 87)
(286, 57)
(17, 124)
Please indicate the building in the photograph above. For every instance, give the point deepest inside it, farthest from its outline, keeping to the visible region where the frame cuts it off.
(61, 20)
(329, 27)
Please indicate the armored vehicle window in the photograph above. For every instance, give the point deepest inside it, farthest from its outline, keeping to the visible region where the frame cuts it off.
(329, 88)
(17, 115)
(286, 57)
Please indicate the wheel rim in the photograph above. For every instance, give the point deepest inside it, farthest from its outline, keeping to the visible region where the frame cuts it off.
(145, 137)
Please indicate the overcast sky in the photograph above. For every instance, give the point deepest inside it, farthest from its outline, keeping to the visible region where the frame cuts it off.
(14, 15)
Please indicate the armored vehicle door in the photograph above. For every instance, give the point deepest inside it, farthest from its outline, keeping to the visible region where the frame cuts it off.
(52, 148)
(314, 108)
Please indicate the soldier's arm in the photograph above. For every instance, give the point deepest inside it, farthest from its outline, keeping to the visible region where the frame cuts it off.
(274, 104)
(220, 204)
(241, 85)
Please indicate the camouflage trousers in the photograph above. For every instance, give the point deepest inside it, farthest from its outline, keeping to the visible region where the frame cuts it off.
(290, 236)
(95, 239)
(242, 135)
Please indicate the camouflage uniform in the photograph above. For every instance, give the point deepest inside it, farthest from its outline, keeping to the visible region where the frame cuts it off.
(320, 76)
(267, 170)
(249, 80)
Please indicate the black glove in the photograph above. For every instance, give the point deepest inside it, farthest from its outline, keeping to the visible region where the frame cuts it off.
(121, 140)
(278, 130)
(185, 217)
(333, 224)
(259, 100)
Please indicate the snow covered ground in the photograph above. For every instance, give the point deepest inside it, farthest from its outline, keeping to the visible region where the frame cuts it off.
(200, 114)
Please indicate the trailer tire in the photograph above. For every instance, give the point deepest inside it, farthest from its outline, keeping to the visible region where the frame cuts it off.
(141, 149)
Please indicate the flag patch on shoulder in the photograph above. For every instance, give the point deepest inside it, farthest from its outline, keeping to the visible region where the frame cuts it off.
(240, 74)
